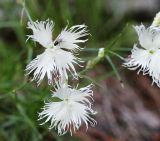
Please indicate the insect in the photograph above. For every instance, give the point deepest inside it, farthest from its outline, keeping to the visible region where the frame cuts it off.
(57, 42)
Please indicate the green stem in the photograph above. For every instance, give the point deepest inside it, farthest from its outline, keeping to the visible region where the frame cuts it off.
(115, 70)
(26, 11)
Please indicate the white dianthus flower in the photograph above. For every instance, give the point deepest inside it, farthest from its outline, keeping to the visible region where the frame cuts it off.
(69, 113)
(59, 56)
(146, 57)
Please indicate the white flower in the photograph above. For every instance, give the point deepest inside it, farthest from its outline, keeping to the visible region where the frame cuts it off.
(71, 112)
(42, 32)
(58, 57)
(146, 57)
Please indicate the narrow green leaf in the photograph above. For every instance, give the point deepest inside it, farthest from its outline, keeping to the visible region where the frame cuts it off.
(116, 54)
(122, 49)
(91, 80)
(111, 45)
(115, 70)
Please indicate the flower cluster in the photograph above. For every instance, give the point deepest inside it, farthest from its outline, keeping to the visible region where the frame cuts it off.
(146, 55)
(59, 58)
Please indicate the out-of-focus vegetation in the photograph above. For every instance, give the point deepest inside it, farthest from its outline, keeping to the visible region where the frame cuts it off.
(20, 100)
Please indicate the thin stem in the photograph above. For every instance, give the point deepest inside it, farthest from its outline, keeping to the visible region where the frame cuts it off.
(26, 11)
(114, 69)
(116, 54)
(30, 49)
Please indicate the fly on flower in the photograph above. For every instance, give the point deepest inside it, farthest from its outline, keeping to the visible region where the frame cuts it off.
(146, 57)
(69, 38)
(71, 111)
(59, 56)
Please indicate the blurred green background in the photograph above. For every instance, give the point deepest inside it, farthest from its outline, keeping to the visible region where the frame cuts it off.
(110, 24)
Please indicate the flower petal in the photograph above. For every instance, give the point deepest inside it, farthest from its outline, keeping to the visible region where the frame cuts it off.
(42, 32)
(69, 38)
(139, 59)
(154, 68)
(52, 62)
(145, 36)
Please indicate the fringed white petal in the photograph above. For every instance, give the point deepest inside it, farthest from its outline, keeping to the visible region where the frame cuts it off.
(52, 62)
(69, 38)
(154, 68)
(156, 40)
(145, 36)
(71, 112)
(65, 61)
(42, 32)
(139, 59)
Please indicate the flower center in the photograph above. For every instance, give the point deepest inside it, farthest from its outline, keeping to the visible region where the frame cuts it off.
(151, 51)
(66, 99)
